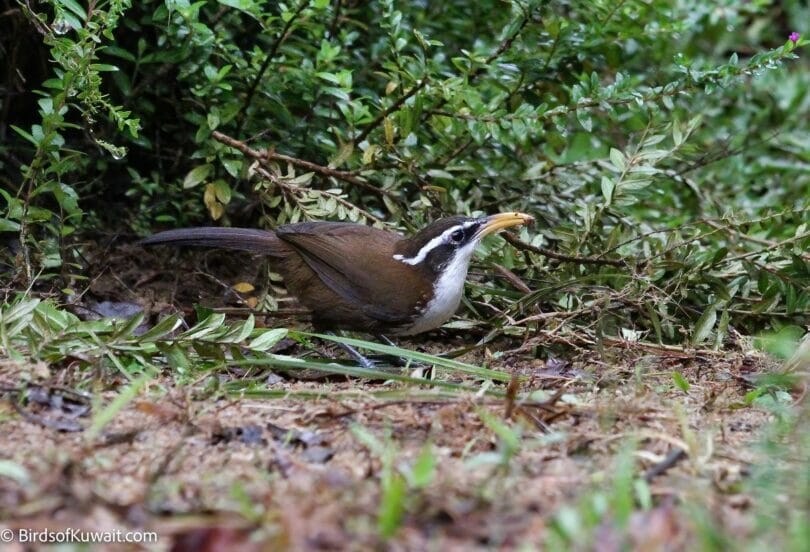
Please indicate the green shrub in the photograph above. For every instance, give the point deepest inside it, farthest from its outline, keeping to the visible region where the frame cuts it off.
(663, 146)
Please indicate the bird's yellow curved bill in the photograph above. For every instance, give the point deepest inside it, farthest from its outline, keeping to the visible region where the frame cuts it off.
(495, 223)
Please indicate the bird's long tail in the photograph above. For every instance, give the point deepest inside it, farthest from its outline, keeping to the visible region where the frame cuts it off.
(242, 239)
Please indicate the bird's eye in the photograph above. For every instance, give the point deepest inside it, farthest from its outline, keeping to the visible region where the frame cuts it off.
(457, 236)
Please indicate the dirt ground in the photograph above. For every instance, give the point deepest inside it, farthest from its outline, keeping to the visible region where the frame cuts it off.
(241, 473)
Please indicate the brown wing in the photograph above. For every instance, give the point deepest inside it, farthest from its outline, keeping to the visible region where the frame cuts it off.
(356, 262)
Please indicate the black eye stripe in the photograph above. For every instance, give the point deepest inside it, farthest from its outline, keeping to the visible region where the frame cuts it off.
(462, 233)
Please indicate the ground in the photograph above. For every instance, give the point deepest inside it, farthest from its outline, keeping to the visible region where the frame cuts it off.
(315, 470)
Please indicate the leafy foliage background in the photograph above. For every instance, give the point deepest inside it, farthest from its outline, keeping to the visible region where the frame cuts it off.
(663, 146)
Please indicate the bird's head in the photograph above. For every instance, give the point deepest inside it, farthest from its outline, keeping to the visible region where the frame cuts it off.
(449, 243)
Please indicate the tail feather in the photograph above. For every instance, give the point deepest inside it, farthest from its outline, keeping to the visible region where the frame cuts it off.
(242, 239)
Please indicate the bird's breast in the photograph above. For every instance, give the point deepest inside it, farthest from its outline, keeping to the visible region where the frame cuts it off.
(447, 291)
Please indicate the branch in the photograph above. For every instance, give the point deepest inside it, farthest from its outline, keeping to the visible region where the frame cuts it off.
(386, 112)
(771, 247)
(268, 155)
(675, 455)
(523, 246)
(298, 189)
(499, 51)
(503, 46)
(753, 239)
(266, 63)
(513, 278)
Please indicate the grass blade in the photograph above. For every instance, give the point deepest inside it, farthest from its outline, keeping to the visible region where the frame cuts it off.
(446, 363)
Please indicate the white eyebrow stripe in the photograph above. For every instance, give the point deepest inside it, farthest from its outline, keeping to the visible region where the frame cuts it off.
(433, 244)
(427, 248)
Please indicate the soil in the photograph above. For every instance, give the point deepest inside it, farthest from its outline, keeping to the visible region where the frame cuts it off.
(240, 473)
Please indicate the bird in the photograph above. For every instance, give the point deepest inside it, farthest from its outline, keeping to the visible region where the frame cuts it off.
(359, 278)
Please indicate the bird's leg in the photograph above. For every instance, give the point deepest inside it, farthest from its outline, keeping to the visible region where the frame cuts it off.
(384, 339)
(368, 364)
(398, 360)
(364, 362)
(395, 360)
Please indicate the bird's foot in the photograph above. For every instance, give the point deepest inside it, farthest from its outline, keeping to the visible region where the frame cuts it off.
(413, 366)
(363, 361)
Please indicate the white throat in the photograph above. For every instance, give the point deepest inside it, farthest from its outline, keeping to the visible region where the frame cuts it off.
(447, 292)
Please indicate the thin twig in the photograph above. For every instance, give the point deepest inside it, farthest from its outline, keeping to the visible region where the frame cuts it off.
(772, 246)
(545, 405)
(549, 316)
(335, 18)
(654, 95)
(675, 456)
(272, 54)
(387, 111)
(610, 14)
(503, 46)
(511, 393)
(671, 351)
(523, 246)
(498, 52)
(513, 278)
(269, 155)
(456, 152)
(298, 189)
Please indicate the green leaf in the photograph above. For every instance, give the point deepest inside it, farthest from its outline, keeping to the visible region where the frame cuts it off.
(197, 175)
(608, 185)
(677, 135)
(508, 436)
(424, 469)
(7, 225)
(239, 332)
(74, 7)
(204, 328)
(329, 77)
(14, 471)
(175, 356)
(267, 339)
(392, 505)
(104, 68)
(129, 326)
(105, 416)
(617, 158)
(232, 166)
(782, 343)
(165, 326)
(584, 118)
(213, 120)
(222, 191)
(336, 93)
(20, 311)
(368, 439)
(680, 381)
(25, 135)
(704, 325)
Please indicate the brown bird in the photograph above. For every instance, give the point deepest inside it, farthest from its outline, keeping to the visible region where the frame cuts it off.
(355, 277)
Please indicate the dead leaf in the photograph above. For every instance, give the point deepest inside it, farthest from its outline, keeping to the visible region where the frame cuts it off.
(243, 287)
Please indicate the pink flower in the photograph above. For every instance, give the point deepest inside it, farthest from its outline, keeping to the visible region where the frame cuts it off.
(794, 37)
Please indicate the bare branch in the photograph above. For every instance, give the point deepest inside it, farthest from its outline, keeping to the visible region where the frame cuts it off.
(523, 246)
(269, 155)
(390, 109)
